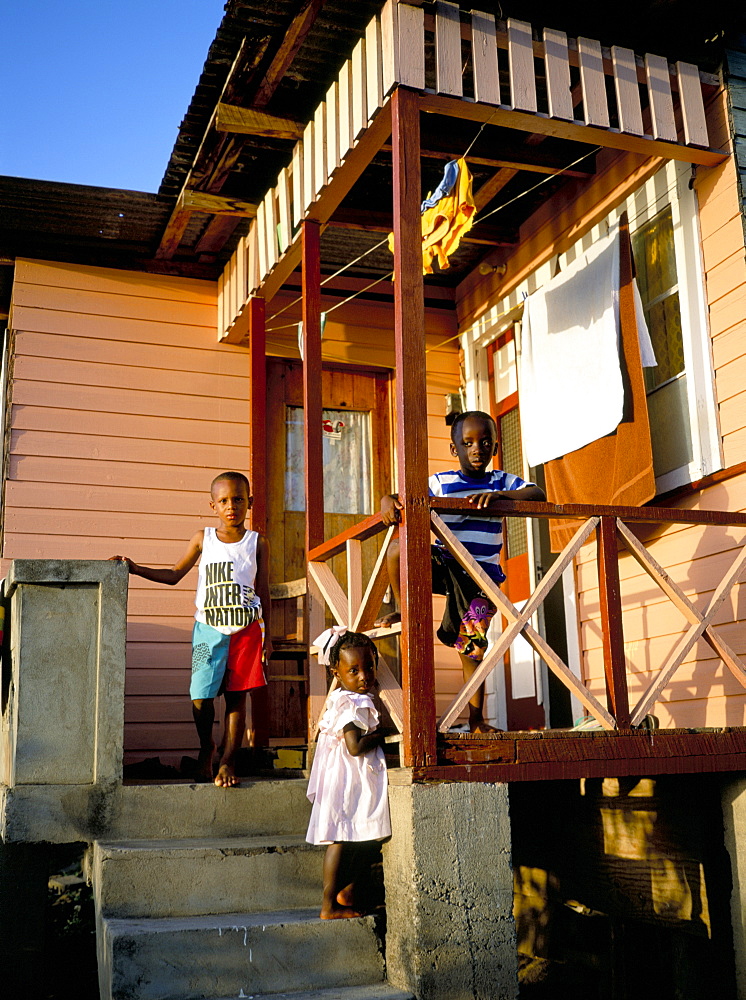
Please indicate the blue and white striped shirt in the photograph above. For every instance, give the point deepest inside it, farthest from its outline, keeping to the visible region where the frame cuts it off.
(480, 536)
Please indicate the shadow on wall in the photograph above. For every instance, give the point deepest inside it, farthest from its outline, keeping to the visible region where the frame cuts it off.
(625, 893)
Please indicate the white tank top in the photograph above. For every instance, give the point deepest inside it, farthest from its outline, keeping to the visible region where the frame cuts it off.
(226, 598)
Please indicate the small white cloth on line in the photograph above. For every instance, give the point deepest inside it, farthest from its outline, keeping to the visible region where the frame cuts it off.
(571, 387)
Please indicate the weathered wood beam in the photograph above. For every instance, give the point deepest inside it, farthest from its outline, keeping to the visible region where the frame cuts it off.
(497, 182)
(514, 160)
(219, 230)
(576, 131)
(215, 204)
(252, 121)
(291, 43)
(564, 754)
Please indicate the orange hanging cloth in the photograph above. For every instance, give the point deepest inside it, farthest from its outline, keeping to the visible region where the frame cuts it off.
(447, 220)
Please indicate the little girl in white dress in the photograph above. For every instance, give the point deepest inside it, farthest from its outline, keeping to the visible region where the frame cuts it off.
(348, 785)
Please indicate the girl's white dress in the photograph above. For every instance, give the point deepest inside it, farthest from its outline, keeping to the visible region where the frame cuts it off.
(349, 794)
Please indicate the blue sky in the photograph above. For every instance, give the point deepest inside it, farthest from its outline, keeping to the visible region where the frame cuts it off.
(93, 91)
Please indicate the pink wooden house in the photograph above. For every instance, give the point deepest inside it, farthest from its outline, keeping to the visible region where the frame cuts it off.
(154, 340)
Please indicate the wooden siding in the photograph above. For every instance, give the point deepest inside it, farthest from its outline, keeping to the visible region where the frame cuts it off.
(123, 408)
(702, 692)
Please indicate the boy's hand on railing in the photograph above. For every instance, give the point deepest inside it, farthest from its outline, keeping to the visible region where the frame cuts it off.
(390, 507)
(484, 501)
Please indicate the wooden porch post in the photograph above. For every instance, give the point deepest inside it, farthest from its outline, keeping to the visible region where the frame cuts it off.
(611, 622)
(258, 412)
(259, 728)
(313, 455)
(418, 675)
(312, 410)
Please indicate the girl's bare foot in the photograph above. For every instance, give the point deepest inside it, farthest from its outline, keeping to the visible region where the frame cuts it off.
(205, 762)
(346, 896)
(226, 777)
(386, 621)
(340, 913)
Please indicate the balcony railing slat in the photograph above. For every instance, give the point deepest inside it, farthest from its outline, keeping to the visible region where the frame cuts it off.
(298, 176)
(593, 82)
(484, 58)
(557, 69)
(373, 66)
(692, 105)
(447, 49)
(359, 90)
(412, 47)
(283, 197)
(521, 55)
(661, 101)
(344, 111)
(627, 90)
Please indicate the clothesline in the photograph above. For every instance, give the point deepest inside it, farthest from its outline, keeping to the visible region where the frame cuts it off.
(377, 246)
(349, 298)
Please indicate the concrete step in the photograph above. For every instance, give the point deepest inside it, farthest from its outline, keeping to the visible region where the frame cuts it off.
(235, 954)
(381, 991)
(255, 808)
(183, 878)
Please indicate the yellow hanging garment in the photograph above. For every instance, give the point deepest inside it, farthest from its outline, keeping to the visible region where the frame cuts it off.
(445, 222)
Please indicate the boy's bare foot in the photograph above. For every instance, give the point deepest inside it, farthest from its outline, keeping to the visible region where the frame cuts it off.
(205, 762)
(480, 726)
(386, 621)
(226, 777)
(340, 913)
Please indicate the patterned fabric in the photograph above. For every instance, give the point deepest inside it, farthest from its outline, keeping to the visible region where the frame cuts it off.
(226, 662)
(481, 536)
(472, 636)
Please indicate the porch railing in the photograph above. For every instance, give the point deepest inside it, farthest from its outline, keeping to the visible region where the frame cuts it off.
(359, 606)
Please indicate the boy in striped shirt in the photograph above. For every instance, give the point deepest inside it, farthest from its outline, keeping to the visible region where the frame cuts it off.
(468, 612)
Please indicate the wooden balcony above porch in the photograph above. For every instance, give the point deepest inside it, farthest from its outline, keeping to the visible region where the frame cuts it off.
(570, 96)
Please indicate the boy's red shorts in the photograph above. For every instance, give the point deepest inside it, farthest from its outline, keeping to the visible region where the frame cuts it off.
(226, 662)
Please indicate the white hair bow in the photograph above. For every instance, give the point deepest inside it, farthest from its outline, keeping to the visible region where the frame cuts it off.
(327, 640)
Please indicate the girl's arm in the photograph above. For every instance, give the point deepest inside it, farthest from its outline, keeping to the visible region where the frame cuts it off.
(261, 586)
(359, 743)
(177, 572)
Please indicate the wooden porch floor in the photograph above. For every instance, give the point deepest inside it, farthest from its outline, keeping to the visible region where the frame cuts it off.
(565, 753)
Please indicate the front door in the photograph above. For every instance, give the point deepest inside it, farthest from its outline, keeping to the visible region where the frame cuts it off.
(357, 472)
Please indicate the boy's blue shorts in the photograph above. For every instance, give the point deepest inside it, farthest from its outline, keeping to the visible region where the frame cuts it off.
(226, 662)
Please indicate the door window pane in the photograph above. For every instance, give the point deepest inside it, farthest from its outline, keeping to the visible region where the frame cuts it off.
(346, 456)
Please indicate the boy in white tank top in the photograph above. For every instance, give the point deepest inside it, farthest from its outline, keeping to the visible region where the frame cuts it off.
(232, 635)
